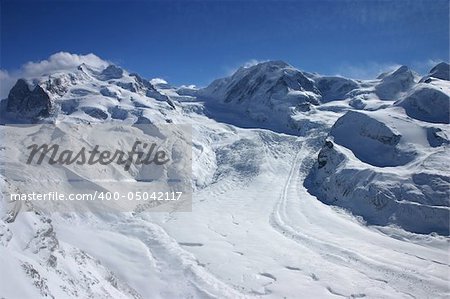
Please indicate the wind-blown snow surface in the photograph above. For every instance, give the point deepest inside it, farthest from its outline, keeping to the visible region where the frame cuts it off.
(255, 229)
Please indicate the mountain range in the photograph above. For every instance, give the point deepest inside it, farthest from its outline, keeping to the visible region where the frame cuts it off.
(295, 175)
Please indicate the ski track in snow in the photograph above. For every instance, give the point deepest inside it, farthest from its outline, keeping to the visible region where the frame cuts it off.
(296, 199)
(261, 235)
(254, 230)
(330, 241)
(175, 264)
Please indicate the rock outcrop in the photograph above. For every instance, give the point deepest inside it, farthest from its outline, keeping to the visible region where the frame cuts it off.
(26, 103)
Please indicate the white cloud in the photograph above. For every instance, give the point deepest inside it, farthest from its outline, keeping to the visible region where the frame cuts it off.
(423, 67)
(61, 61)
(369, 70)
(156, 81)
(252, 62)
(249, 63)
(57, 62)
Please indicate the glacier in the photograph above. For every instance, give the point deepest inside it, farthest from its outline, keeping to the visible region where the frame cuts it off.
(303, 184)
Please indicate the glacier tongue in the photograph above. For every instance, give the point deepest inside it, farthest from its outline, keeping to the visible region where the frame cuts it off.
(340, 185)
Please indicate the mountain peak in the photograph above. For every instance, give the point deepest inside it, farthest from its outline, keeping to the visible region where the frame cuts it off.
(267, 79)
(441, 71)
(395, 82)
(112, 72)
(269, 65)
(274, 63)
(399, 72)
(28, 103)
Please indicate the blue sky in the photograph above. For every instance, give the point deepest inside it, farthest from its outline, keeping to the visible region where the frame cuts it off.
(195, 42)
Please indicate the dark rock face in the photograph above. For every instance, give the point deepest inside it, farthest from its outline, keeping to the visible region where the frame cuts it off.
(296, 80)
(112, 72)
(118, 113)
(58, 85)
(105, 91)
(28, 103)
(95, 112)
(322, 158)
(128, 86)
(142, 82)
(441, 71)
(436, 137)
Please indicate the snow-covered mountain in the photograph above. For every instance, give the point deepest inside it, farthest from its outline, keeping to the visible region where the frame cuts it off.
(387, 168)
(83, 93)
(395, 82)
(278, 96)
(389, 165)
(270, 93)
(296, 177)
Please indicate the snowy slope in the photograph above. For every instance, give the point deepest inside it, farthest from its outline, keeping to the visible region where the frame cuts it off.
(84, 94)
(254, 228)
(269, 93)
(387, 168)
(389, 165)
(428, 102)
